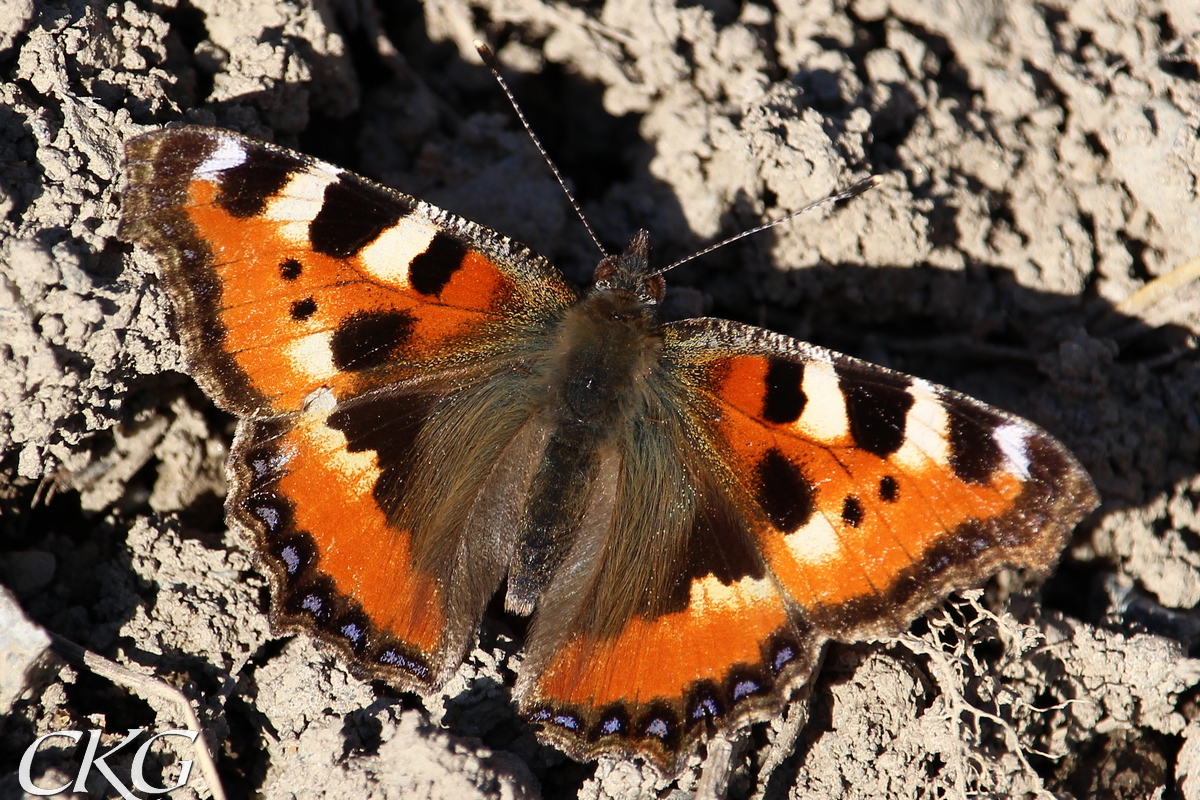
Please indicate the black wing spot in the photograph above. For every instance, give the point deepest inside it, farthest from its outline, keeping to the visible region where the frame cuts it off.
(432, 270)
(364, 341)
(852, 511)
(718, 546)
(352, 216)
(784, 400)
(783, 492)
(889, 489)
(290, 269)
(303, 309)
(244, 190)
(394, 443)
(877, 406)
(974, 454)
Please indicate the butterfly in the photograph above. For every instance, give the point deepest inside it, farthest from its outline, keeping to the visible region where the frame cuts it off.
(430, 416)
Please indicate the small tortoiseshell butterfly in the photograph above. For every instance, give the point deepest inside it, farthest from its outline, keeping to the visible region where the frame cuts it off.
(430, 414)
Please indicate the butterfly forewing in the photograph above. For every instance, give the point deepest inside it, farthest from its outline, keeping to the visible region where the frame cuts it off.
(876, 492)
(289, 275)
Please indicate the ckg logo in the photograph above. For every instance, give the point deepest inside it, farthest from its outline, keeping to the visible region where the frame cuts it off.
(99, 762)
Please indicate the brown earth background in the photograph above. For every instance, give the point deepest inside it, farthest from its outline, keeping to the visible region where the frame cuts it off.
(1042, 165)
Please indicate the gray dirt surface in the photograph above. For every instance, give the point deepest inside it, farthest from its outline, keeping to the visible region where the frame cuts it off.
(1041, 164)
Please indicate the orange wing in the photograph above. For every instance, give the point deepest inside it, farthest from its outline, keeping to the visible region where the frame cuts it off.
(821, 498)
(336, 317)
(338, 566)
(289, 275)
(877, 493)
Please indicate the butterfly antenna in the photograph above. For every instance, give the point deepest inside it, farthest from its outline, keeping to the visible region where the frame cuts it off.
(844, 194)
(489, 61)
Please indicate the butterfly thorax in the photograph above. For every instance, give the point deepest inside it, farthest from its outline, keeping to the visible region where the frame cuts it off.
(606, 347)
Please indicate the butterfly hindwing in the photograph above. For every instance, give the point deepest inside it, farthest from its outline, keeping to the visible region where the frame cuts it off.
(669, 622)
(338, 565)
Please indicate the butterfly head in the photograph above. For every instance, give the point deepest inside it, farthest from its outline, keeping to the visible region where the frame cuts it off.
(630, 273)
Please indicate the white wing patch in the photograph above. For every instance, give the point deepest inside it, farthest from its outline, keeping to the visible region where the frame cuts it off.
(824, 417)
(358, 471)
(320, 401)
(1013, 441)
(298, 204)
(229, 154)
(926, 429)
(815, 541)
(390, 255)
(710, 594)
(312, 357)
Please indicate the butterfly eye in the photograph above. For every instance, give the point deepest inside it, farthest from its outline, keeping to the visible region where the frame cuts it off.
(655, 288)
